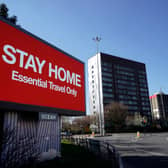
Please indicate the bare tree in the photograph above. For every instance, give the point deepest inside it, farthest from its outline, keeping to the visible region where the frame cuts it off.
(115, 115)
(17, 152)
(66, 123)
(79, 124)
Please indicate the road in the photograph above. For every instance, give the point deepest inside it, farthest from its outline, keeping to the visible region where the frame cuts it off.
(150, 150)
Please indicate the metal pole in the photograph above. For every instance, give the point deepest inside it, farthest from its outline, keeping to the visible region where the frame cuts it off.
(101, 115)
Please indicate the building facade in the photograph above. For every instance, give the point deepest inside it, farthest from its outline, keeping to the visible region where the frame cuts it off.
(159, 106)
(114, 79)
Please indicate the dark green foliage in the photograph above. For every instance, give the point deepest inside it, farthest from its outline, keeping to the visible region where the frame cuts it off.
(13, 19)
(74, 157)
(4, 14)
(3, 11)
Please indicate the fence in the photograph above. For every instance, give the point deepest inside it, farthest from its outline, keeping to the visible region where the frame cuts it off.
(99, 148)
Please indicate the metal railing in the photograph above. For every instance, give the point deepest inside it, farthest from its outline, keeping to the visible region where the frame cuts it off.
(100, 148)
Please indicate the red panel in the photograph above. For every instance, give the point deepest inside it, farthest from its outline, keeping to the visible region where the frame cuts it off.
(26, 75)
(153, 96)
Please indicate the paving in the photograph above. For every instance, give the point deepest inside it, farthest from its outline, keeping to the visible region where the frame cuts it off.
(147, 150)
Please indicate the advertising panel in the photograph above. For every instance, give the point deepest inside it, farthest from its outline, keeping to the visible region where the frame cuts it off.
(36, 76)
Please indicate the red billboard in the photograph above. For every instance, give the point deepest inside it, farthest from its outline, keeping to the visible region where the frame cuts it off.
(36, 76)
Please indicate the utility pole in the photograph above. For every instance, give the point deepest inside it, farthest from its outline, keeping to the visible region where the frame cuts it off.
(101, 113)
(97, 40)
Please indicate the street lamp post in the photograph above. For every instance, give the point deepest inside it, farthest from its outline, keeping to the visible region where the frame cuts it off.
(101, 115)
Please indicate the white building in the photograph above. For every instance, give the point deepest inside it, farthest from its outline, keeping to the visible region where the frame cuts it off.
(115, 79)
(95, 90)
